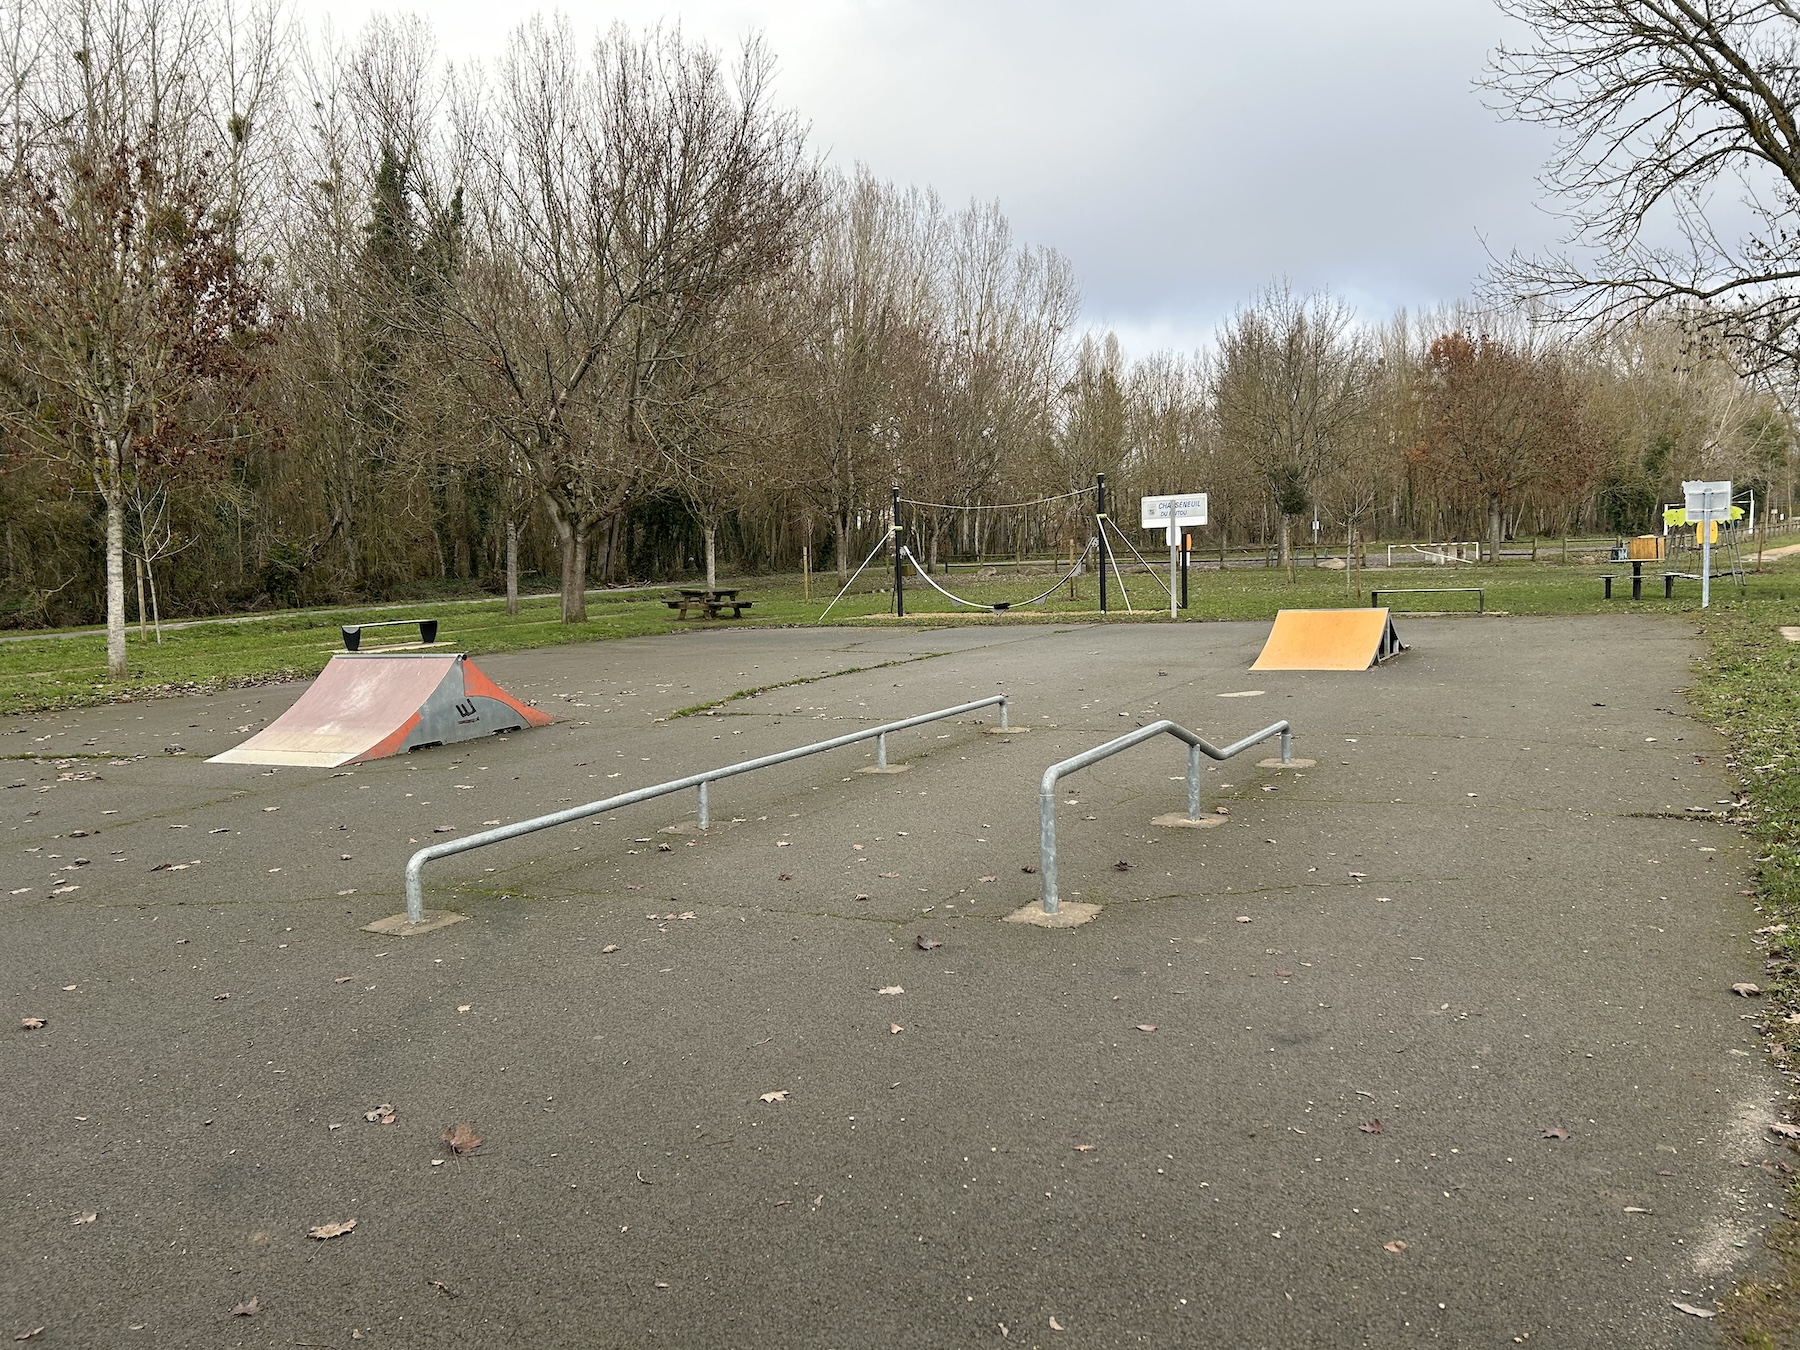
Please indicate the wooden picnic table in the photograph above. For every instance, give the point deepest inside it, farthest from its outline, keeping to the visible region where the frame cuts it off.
(708, 604)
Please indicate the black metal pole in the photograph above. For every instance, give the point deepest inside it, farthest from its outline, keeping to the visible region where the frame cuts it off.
(1187, 546)
(899, 578)
(1100, 520)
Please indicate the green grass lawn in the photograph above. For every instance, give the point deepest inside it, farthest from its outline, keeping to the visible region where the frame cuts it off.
(42, 673)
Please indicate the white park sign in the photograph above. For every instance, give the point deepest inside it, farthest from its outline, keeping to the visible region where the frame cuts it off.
(1706, 502)
(1173, 512)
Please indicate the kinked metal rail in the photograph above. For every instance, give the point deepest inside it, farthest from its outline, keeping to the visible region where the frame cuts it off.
(1196, 748)
(415, 867)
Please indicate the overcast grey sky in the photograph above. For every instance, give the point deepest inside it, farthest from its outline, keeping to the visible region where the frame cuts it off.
(1180, 154)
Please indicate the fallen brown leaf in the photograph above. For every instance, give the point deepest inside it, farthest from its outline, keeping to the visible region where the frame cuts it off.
(987, 879)
(1086, 1148)
(894, 1028)
(462, 1139)
(31, 1024)
(609, 949)
(889, 876)
(31, 1335)
(1785, 1130)
(326, 1231)
(1744, 989)
(343, 979)
(1146, 1026)
(928, 944)
(1636, 1209)
(1395, 1246)
(1056, 1325)
(1121, 866)
(1691, 1310)
(443, 1289)
(80, 1219)
(250, 1309)
(1029, 870)
(1371, 1127)
(773, 1097)
(1555, 1132)
(785, 876)
(380, 1115)
(890, 989)
(1284, 974)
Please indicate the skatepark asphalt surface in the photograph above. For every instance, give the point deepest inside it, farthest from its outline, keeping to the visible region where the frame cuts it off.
(1482, 914)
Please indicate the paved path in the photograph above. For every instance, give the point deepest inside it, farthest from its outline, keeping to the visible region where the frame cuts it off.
(1480, 915)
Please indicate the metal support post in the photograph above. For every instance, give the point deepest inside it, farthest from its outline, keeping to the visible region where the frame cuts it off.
(705, 808)
(1100, 520)
(881, 751)
(894, 540)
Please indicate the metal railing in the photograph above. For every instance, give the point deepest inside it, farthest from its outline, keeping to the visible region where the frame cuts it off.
(415, 866)
(1196, 748)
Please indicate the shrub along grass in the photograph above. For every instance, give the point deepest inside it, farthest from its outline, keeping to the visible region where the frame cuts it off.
(45, 672)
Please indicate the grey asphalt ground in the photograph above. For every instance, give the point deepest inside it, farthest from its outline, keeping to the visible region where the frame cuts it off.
(1482, 913)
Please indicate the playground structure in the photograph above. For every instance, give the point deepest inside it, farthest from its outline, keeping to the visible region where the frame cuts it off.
(370, 705)
(1099, 545)
(1329, 639)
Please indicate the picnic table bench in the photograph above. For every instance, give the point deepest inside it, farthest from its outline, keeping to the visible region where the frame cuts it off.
(353, 631)
(708, 604)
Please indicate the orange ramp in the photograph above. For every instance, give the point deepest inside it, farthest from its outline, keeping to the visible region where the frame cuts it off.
(371, 705)
(1329, 639)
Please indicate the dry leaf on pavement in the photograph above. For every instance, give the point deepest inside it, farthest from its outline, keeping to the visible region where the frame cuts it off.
(894, 1028)
(326, 1231)
(1028, 869)
(1121, 866)
(1086, 1148)
(31, 1335)
(1786, 1131)
(609, 949)
(1744, 989)
(928, 944)
(31, 1024)
(250, 1309)
(1371, 1127)
(1146, 1026)
(1555, 1132)
(87, 1217)
(1056, 1325)
(773, 1097)
(890, 989)
(380, 1115)
(1395, 1246)
(1691, 1310)
(462, 1139)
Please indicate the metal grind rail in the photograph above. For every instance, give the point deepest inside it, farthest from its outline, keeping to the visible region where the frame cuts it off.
(415, 866)
(1196, 748)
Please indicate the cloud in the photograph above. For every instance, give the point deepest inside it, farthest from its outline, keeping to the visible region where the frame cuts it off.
(1181, 154)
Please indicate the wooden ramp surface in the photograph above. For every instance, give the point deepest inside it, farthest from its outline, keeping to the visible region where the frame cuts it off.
(1329, 639)
(370, 705)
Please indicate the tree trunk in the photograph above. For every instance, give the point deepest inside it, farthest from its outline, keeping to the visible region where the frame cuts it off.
(115, 569)
(843, 545)
(1493, 529)
(155, 607)
(712, 571)
(1287, 544)
(572, 535)
(143, 630)
(512, 565)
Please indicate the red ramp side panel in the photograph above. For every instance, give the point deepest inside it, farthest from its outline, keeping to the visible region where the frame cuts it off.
(369, 706)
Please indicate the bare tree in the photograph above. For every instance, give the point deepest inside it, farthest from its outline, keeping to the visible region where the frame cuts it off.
(1501, 418)
(1291, 384)
(616, 201)
(1662, 104)
(129, 320)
